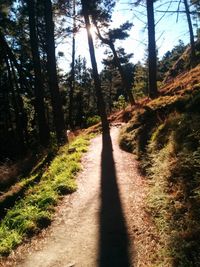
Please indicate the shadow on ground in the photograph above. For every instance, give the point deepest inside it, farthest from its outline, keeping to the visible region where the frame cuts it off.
(114, 240)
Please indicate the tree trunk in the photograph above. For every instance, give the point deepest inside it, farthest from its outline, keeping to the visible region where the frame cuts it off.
(58, 115)
(110, 94)
(20, 102)
(97, 83)
(7, 51)
(152, 59)
(72, 76)
(17, 111)
(123, 77)
(39, 86)
(192, 43)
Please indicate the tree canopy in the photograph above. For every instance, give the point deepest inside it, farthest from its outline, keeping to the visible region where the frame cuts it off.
(38, 100)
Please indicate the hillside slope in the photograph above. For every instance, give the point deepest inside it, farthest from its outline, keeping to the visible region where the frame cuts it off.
(165, 135)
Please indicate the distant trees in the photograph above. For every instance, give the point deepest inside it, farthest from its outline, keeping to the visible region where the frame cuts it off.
(84, 97)
(109, 39)
(108, 76)
(140, 80)
(166, 63)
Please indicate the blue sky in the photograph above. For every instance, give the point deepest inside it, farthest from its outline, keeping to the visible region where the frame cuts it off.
(168, 32)
(168, 29)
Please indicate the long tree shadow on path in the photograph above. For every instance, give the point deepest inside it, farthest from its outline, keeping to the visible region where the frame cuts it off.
(113, 232)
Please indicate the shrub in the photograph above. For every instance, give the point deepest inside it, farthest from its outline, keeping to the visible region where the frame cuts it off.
(93, 120)
(120, 103)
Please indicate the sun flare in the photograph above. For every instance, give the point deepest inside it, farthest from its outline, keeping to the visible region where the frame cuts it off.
(92, 30)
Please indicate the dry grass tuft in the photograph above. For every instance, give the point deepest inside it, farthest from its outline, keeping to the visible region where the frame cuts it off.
(166, 136)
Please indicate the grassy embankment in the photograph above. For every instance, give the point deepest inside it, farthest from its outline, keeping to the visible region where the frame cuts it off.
(33, 205)
(165, 135)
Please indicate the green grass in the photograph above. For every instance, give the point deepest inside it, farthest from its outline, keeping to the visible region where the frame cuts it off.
(34, 211)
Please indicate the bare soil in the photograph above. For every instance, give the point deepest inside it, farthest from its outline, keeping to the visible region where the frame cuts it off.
(103, 223)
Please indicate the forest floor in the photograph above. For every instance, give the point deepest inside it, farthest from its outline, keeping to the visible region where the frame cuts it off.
(104, 223)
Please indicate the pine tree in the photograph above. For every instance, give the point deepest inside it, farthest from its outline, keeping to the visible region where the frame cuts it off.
(192, 43)
(52, 73)
(111, 37)
(72, 74)
(152, 57)
(39, 86)
(87, 10)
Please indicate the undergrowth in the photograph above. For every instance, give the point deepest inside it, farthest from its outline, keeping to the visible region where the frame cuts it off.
(34, 211)
(166, 137)
(174, 200)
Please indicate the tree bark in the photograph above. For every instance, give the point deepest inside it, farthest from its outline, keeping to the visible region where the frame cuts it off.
(100, 101)
(58, 115)
(72, 76)
(7, 51)
(39, 86)
(17, 110)
(152, 58)
(192, 43)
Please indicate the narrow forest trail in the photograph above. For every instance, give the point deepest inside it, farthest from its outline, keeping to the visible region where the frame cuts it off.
(102, 224)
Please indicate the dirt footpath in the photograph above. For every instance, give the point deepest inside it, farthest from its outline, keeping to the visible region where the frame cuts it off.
(102, 224)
